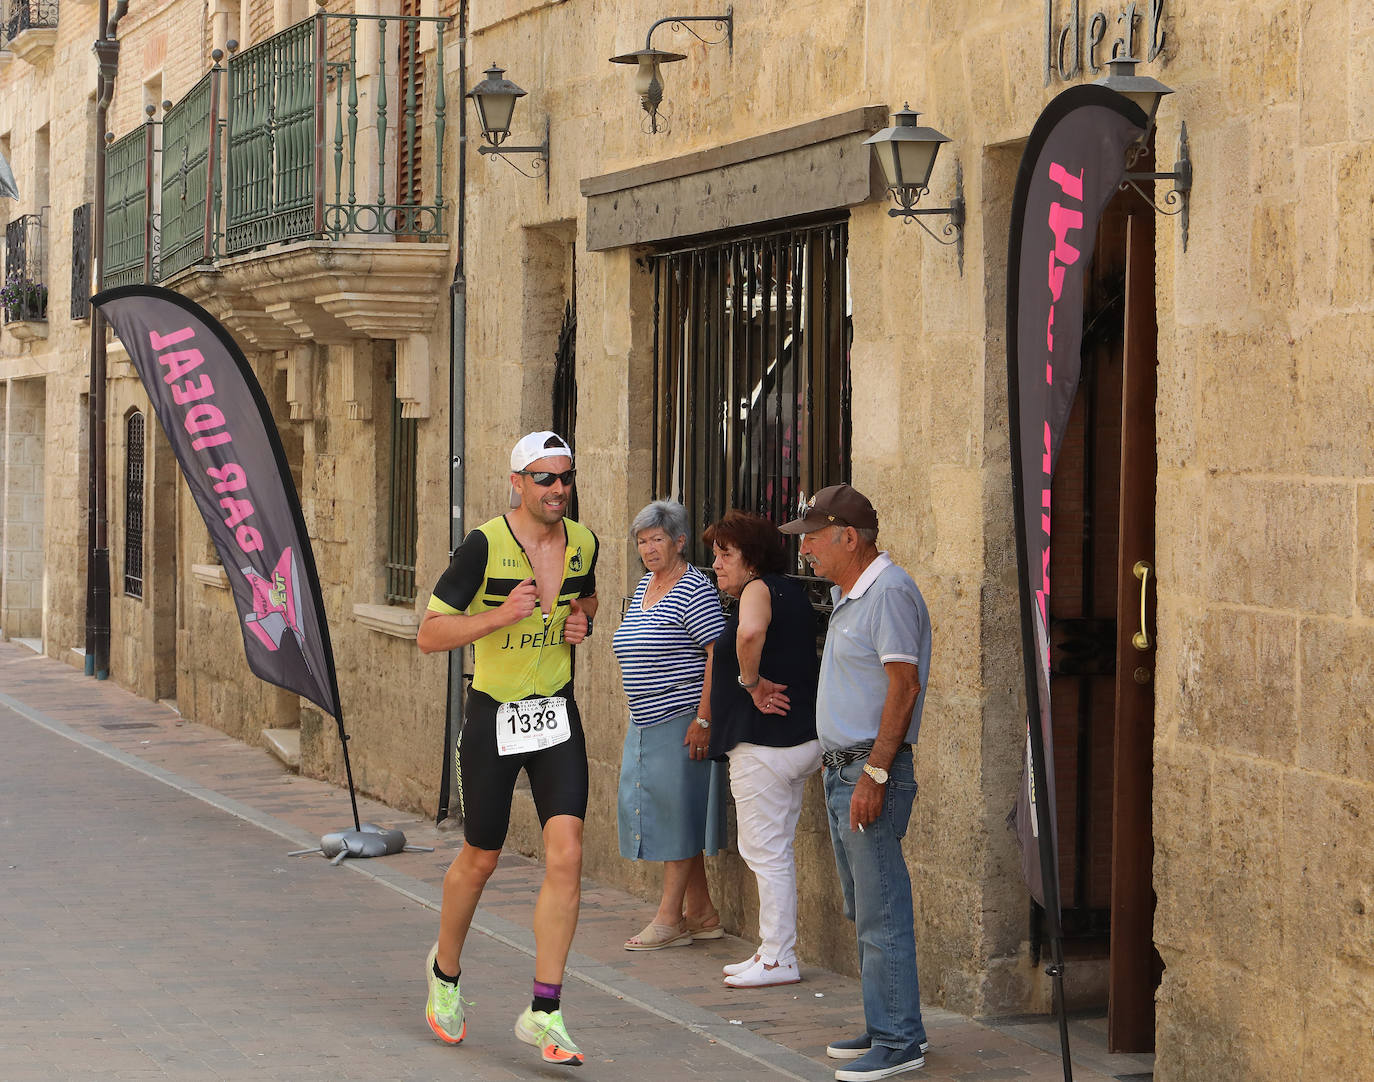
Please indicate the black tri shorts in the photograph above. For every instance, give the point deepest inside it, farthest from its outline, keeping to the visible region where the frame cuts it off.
(486, 779)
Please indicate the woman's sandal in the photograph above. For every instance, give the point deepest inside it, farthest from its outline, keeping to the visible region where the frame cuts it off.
(710, 928)
(655, 937)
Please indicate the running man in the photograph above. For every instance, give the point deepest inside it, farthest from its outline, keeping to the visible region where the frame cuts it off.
(522, 589)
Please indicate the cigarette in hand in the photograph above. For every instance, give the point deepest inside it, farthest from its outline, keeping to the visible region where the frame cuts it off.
(861, 828)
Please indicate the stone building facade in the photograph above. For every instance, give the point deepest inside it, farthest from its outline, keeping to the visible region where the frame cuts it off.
(1236, 810)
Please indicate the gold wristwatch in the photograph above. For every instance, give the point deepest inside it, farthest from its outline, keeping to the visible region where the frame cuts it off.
(877, 773)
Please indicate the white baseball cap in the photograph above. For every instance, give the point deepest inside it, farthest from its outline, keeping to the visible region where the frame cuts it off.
(535, 446)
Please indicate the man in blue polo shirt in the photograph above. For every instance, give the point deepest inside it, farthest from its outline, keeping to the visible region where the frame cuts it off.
(868, 714)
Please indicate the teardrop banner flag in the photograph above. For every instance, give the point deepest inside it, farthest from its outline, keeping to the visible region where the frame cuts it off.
(215, 415)
(1073, 165)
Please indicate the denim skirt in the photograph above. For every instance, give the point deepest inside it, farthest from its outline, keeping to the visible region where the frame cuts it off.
(670, 807)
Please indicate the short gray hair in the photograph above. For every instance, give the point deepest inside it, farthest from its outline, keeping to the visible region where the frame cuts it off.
(868, 536)
(666, 515)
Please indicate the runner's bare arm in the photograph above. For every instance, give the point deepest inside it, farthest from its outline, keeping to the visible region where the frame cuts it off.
(450, 631)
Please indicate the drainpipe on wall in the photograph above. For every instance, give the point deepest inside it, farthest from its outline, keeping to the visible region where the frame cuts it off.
(458, 319)
(97, 551)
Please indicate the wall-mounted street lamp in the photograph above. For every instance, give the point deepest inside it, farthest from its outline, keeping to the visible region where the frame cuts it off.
(648, 61)
(1147, 92)
(907, 151)
(494, 99)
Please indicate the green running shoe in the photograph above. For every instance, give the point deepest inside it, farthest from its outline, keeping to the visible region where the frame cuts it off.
(444, 1011)
(547, 1033)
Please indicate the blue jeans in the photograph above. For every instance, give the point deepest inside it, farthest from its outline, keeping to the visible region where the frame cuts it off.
(877, 898)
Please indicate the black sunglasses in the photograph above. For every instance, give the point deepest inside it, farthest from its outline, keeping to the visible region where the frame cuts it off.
(544, 479)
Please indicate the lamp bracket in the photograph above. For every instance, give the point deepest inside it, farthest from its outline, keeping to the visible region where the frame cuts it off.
(952, 232)
(538, 167)
(723, 24)
(1176, 200)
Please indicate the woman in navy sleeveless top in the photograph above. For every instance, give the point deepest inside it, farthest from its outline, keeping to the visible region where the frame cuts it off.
(763, 719)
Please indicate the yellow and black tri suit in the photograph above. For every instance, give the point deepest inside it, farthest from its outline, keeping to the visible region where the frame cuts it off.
(529, 659)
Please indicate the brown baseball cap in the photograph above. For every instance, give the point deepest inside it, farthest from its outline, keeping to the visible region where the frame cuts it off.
(838, 505)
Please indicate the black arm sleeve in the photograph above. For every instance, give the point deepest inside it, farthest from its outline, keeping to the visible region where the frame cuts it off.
(459, 584)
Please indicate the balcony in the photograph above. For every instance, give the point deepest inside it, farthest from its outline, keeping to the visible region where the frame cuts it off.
(24, 295)
(301, 186)
(29, 28)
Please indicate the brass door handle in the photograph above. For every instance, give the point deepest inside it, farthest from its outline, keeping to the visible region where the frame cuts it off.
(1141, 639)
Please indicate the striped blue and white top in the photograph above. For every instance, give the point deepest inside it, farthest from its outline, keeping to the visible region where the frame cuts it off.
(662, 652)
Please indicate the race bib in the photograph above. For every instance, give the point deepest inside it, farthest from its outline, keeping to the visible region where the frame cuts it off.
(531, 725)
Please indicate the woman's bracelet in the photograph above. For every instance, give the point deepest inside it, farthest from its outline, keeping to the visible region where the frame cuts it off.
(749, 686)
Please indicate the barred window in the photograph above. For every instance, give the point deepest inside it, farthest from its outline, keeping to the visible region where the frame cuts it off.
(751, 373)
(402, 522)
(133, 505)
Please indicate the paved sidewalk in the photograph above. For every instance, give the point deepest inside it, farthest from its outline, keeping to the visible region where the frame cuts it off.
(154, 928)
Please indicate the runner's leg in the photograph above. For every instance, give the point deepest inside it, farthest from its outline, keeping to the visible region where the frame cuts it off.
(555, 912)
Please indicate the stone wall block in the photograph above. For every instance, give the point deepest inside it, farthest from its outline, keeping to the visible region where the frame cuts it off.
(1273, 256)
(1354, 174)
(1336, 396)
(1180, 501)
(955, 630)
(1316, 210)
(1361, 83)
(1325, 891)
(1245, 410)
(1337, 692)
(955, 401)
(1265, 73)
(1325, 68)
(1246, 831)
(1247, 687)
(1260, 532)
(957, 514)
(1364, 549)
(1184, 847)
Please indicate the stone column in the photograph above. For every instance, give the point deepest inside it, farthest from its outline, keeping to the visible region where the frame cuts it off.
(21, 589)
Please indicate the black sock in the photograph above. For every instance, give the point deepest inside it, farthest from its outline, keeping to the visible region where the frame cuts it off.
(444, 976)
(546, 997)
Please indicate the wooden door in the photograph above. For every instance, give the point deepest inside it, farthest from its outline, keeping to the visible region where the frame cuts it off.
(1135, 967)
(1101, 689)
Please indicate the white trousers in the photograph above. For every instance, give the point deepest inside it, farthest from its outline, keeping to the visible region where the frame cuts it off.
(768, 784)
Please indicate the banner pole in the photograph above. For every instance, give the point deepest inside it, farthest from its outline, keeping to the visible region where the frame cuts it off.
(348, 770)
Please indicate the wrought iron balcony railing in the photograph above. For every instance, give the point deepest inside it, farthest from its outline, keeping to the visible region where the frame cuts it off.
(24, 295)
(21, 15)
(332, 129)
(329, 125)
(189, 162)
(128, 223)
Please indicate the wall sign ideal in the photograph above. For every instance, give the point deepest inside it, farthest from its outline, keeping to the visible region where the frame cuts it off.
(1072, 47)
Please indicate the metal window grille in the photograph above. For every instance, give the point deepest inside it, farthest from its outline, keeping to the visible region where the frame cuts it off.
(751, 373)
(25, 289)
(403, 524)
(81, 262)
(133, 506)
(565, 386)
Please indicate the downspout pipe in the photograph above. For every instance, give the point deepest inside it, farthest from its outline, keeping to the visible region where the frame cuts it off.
(449, 807)
(97, 520)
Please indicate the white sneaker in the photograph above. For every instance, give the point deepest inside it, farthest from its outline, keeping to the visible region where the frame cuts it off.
(761, 976)
(740, 967)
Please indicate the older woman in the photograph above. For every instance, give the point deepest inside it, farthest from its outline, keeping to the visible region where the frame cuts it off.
(763, 705)
(669, 806)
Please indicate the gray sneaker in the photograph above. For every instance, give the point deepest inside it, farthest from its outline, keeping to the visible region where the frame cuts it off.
(882, 1062)
(854, 1047)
